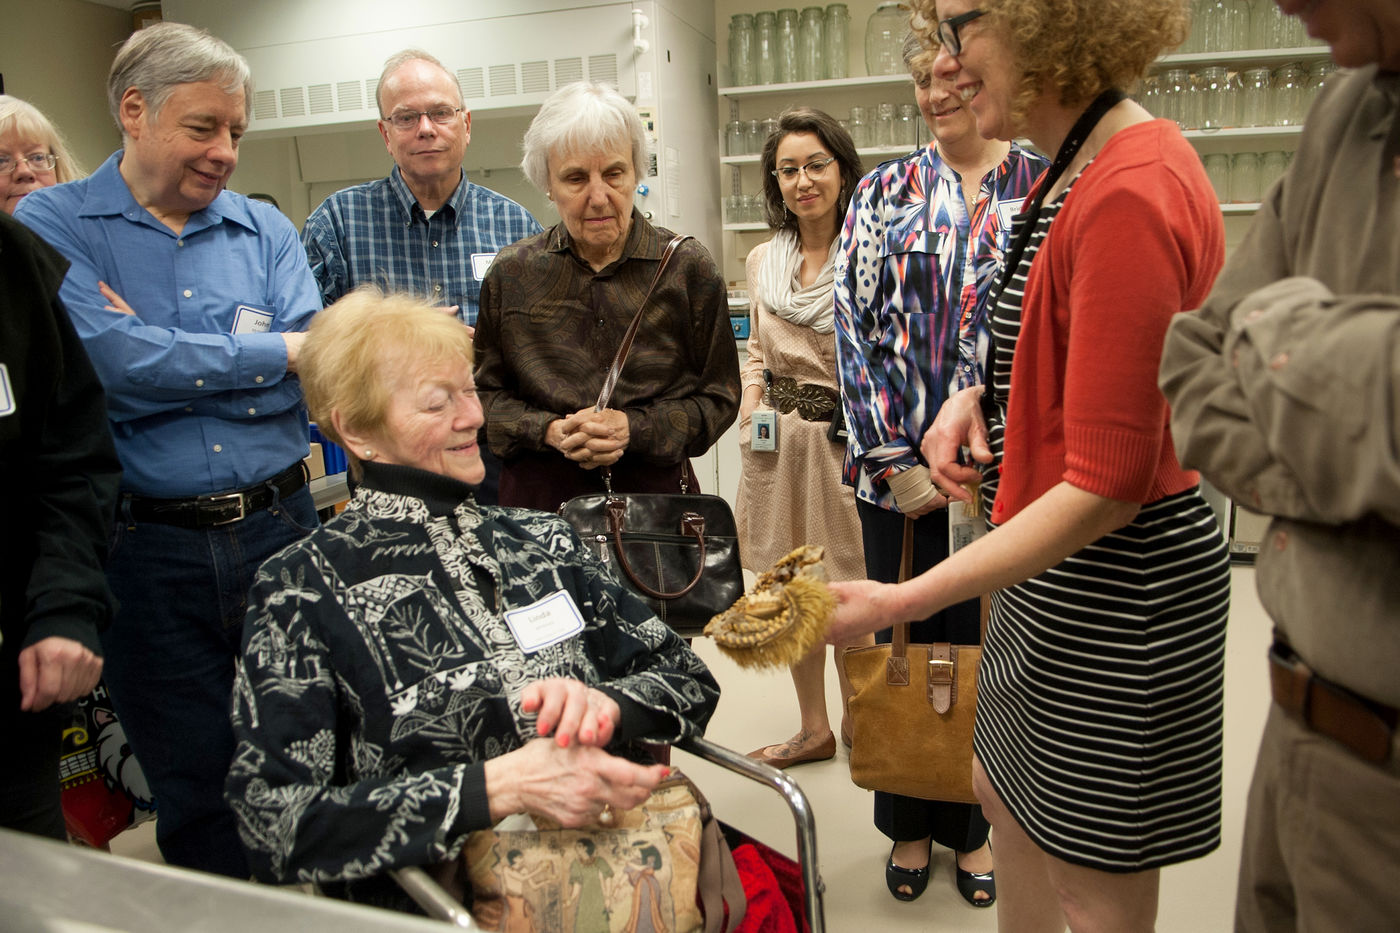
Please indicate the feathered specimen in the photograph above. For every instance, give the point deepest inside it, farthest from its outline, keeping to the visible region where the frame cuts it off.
(782, 617)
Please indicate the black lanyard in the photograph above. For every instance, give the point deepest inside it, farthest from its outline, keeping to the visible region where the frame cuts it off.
(1089, 119)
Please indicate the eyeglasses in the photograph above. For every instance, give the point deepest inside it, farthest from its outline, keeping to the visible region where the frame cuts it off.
(948, 28)
(37, 162)
(409, 119)
(814, 169)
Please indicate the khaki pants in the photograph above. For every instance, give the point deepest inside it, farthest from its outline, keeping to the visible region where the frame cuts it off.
(1321, 838)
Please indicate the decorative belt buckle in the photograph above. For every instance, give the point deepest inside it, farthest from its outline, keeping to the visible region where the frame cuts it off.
(242, 507)
(940, 672)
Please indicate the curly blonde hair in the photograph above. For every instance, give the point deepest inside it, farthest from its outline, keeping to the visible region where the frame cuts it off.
(1078, 48)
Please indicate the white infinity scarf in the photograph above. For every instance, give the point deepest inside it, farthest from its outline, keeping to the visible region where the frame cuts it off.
(813, 306)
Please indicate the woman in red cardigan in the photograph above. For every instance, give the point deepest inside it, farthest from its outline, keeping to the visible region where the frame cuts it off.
(1098, 740)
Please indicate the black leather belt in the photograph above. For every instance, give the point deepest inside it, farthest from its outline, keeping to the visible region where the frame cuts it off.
(220, 508)
(1364, 726)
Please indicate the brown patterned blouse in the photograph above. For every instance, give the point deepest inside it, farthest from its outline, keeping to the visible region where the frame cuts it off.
(548, 329)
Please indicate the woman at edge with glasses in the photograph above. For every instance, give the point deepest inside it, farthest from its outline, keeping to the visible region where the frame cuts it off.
(921, 248)
(32, 153)
(792, 495)
(1099, 723)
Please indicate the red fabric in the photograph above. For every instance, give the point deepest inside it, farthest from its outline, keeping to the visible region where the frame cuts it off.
(768, 910)
(1139, 238)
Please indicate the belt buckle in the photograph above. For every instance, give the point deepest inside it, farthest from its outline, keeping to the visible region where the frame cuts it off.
(242, 501)
(940, 672)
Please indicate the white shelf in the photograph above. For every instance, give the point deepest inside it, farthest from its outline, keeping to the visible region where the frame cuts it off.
(743, 228)
(833, 84)
(1238, 209)
(883, 151)
(1255, 57)
(1245, 132)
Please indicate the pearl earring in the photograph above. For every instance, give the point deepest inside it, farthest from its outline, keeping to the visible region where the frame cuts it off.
(369, 454)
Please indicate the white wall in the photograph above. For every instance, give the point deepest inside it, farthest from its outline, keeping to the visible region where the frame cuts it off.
(56, 54)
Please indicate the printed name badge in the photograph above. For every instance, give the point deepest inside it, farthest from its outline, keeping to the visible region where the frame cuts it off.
(1007, 211)
(248, 320)
(7, 394)
(765, 430)
(551, 620)
(480, 263)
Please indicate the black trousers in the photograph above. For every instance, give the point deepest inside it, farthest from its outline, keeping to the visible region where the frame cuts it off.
(958, 826)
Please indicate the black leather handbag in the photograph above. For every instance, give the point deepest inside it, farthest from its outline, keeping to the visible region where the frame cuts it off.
(678, 551)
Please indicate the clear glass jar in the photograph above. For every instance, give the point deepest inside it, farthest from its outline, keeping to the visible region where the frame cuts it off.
(838, 30)
(883, 132)
(1176, 94)
(1241, 14)
(736, 143)
(1149, 95)
(1257, 97)
(1215, 26)
(1267, 26)
(811, 45)
(1218, 171)
(770, 126)
(765, 47)
(1318, 75)
(753, 137)
(786, 69)
(1244, 178)
(1216, 97)
(884, 39)
(910, 122)
(858, 128)
(1290, 95)
(1272, 165)
(741, 71)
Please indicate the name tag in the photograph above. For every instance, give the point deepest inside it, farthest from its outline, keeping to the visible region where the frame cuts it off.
(551, 620)
(480, 263)
(7, 393)
(1007, 211)
(248, 320)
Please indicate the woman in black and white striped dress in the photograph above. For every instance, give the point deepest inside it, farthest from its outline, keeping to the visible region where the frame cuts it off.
(1099, 729)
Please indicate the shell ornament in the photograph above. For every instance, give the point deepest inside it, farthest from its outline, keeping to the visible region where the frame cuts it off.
(782, 617)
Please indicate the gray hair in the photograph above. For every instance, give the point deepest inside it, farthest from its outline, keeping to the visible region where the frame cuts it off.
(397, 61)
(163, 56)
(581, 117)
(23, 118)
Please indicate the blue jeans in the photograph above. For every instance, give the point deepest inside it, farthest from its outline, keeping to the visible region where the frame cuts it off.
(170, 657)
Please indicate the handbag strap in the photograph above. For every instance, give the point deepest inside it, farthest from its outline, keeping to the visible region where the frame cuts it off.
(900, 643)
(615, 370)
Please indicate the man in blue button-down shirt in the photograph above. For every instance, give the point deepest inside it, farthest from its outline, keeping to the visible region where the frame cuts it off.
(191, 301)
(425, 229)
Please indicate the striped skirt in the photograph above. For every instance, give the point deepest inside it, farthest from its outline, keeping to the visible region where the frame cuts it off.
(1101, 694)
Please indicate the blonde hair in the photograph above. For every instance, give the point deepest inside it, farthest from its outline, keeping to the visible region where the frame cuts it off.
(355, 347)
(23, 118)
(1077, 48)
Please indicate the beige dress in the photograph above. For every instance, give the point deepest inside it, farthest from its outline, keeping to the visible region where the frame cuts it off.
(794, 495)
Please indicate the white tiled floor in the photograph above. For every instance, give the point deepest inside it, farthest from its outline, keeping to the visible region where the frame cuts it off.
(760, 708)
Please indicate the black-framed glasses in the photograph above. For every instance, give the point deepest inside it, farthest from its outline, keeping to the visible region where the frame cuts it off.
(409, 119)
(813, 169)
(948, 30)
(37, 162)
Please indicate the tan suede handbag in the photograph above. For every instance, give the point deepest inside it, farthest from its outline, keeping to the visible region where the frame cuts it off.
(912, 710)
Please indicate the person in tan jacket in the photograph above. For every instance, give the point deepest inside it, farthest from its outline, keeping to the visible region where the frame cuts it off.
(1285, 393)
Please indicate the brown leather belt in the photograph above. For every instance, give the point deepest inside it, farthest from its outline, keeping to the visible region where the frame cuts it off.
(220, 508)
(1362, 725)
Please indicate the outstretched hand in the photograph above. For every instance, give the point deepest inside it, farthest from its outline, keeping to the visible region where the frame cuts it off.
(863, 607)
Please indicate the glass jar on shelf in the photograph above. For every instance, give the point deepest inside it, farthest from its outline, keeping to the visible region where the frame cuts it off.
(910, 122)
(1215, 25)
(1176, 93)
(858, 128)
(753, 137)
(1318, 75)
(786, 64)
(741, 62)
(765, 47)
(770, 126)
(884, 39)
(1272, 165)
(735, 141)
(838, 30)
(1216, 97)
(1149, 95)
(1241, 15)
(811, 45)
(734, 209)
(1290, 95)
(1267, 26)
(1257, 97)
(1244, 178)
(1218, 171)
(883, 132)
